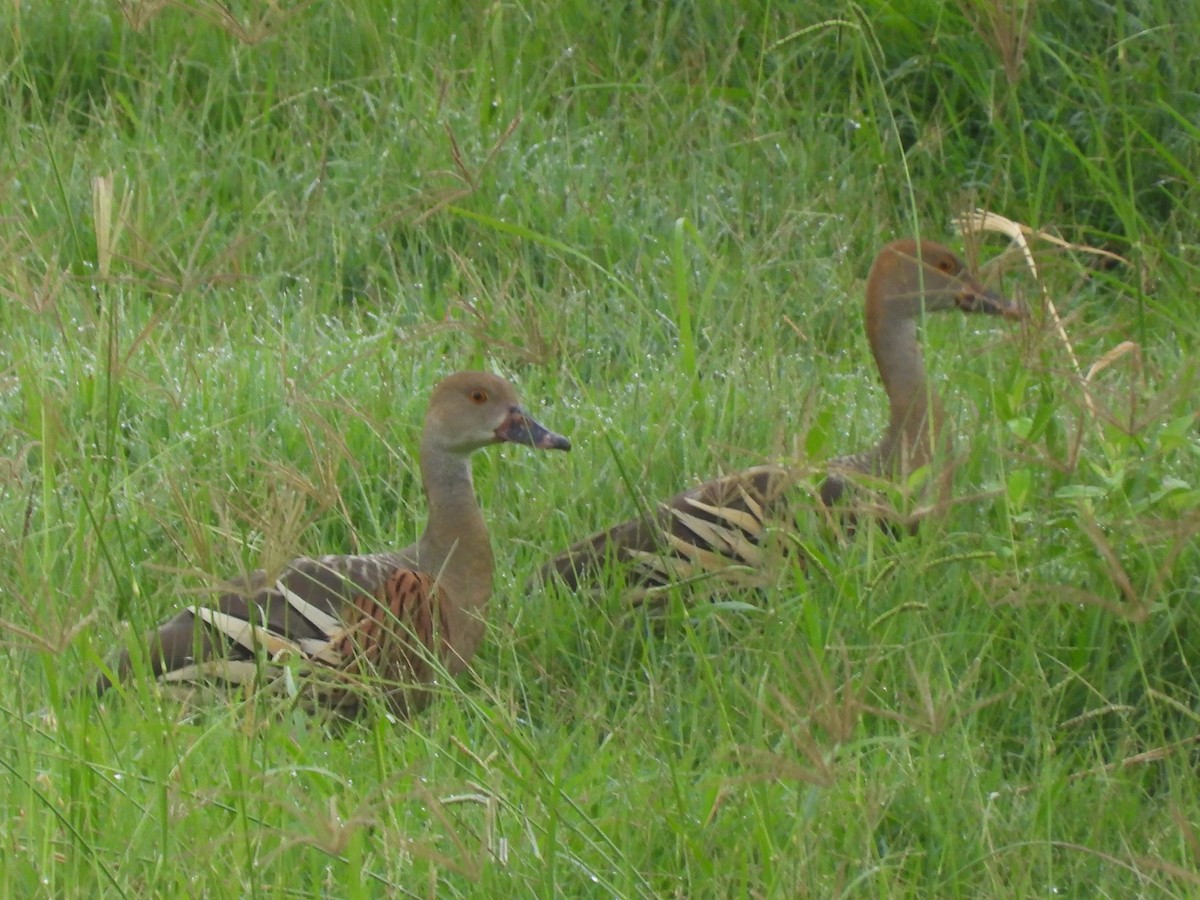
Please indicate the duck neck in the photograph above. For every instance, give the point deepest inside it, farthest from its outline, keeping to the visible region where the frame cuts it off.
(914, 409)
(455, 547)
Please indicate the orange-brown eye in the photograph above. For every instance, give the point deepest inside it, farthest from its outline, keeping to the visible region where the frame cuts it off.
(946, 266)
(478, 396)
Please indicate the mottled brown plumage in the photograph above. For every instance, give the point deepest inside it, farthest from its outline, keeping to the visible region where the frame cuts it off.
(720, 529)
(387, 621)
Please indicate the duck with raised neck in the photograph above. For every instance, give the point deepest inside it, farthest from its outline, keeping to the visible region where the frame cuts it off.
(391, 620)
(717, 529)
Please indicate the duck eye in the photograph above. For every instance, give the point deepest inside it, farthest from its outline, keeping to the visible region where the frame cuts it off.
(479, 396)
(946, 266)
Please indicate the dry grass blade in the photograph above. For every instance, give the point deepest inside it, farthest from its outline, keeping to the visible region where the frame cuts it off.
(463, 173)
(985, 220)
(1005, 590)
(812, 703)
(270, 21)
(1111, 356)
(1006, 26)
(933, 715)
(1156, 754)
(139, 13)
(1168, 868)
(977, 220)
(55, 644)
(1140, 609)
(1187, 831)
(107, 227)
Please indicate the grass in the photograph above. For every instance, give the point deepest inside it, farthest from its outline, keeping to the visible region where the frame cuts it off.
(238, 245)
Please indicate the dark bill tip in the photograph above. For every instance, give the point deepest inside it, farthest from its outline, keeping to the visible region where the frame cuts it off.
(521, 428)
(992, 304)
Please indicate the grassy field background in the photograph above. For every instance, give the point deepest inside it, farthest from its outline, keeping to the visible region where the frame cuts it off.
(239, 244)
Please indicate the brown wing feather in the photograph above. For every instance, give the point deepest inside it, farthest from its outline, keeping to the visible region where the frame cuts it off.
(715, 529)
(347, 616)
